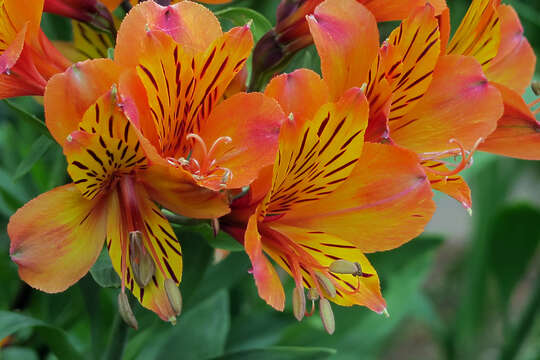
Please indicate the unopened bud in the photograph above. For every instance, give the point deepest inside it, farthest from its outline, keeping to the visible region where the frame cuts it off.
(174, 295)
(535, 86)
(142, 263)
(313, 294)
(327, 316)
(125, 310)
(343, 267)
(299, 302)
(326, 284)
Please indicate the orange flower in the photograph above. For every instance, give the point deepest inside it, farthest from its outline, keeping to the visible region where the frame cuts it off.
(292, 34)
(180, 66)
(493, 35)
(434, 104)
(27, 57)
(107, 201)
(328, 197)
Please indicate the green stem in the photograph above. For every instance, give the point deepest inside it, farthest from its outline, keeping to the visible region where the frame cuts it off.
(118, 339)
(519, 333)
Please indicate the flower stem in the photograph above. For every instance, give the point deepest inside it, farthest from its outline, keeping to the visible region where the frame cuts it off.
(519, 333)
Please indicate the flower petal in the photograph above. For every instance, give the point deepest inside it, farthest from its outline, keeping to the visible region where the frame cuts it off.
(57, 237)
(267, 281)
(454, 185)
(301, 93)
(388, 10)
(161, 243)
(385, 202)
(347, 40)
(316, 157)
(193, 26)
(479, 33)
(83, 84)
(254, 132)
(514, 64)
(459, 104)
(518, 132)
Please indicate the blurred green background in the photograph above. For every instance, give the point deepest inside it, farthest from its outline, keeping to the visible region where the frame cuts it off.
(467, 289)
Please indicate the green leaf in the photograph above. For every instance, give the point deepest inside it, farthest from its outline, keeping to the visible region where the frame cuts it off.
(514, 237)
(54, 337)
(281, 353)
(30, 118)
(37, 150)
(103, 271)
(221, 241)
(238, 16)
(18, 353)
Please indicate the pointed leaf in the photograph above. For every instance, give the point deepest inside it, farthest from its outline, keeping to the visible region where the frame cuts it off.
(238, 16)
(37, 150)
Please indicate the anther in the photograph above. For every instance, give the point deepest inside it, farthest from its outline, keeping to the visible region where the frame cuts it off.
(141, 261)
(327, 316)
(299, 302)
(326, 284)
(174, 296)
(345, 267)
(535, 86)
(125, 311)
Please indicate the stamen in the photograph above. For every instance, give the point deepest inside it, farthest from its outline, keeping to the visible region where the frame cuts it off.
(466, 159)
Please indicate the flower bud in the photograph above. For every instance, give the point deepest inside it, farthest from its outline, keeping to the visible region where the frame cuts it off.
(327, 316)
(343, 267)
(326, 284)
(299, 302)
(174, 295)
(125, 310)
(141, 261)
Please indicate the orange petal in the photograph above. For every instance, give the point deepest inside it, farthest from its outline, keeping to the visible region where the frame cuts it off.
(16, 14)
(454, 186)
(314, 159)
(479, 33)
(83, 84)
(193, 26)
(459, 104)
(160, 242)
(267, 281)
(417, 42)
(347, 40)
(514, 64)
(389, 10)
(111, 4)
(385, 202)
(56, 238)
(518, 132)
(301, 93)
(253, 131)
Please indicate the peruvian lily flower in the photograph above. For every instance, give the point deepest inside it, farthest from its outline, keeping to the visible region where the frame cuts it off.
(493, 35)
(27, 57)
(328, 199)
(180, 65)
(437, 105)
(110, 201)
(292, 34)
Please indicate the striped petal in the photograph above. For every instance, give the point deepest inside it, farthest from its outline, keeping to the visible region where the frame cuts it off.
(514, 64)
(191, 25)
(267, 281)
(83, 84)
(160, 242)
(385, 202)
(89, 42)
(518, 132)
(104, 148)
(311, 251)
(417, 42)
(454, 185)
(479, 33)
(57, 237)
(347, 41)
(459, 104)
(314, 158)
